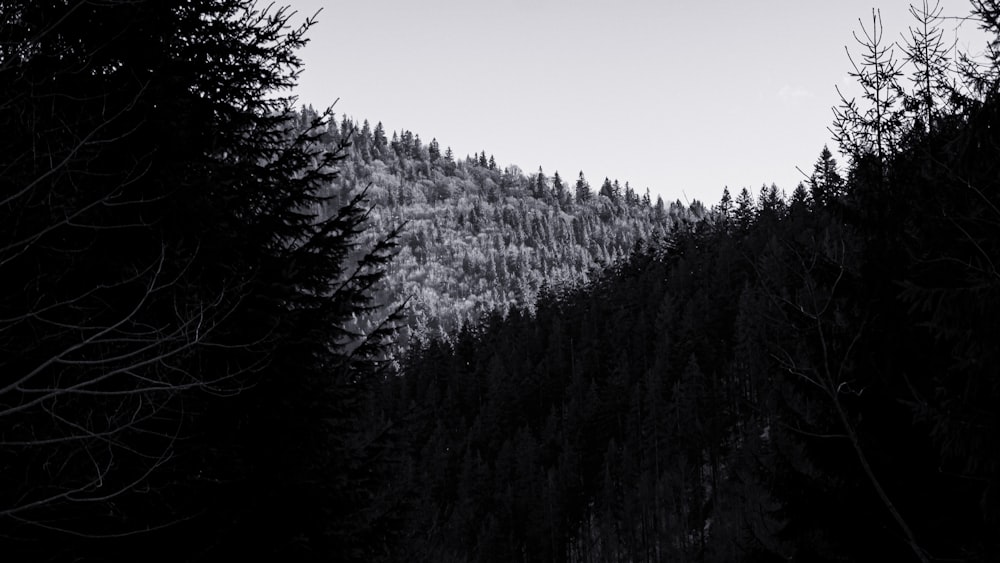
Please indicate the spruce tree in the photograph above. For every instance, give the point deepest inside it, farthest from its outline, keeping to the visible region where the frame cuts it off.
(583, 192)
(185, 382)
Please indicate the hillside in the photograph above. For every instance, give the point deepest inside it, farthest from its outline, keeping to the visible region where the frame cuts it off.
(202, 284)
(811, 379)
(478, 239)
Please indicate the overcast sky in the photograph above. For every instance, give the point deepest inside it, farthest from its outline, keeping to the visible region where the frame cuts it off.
(681, 97)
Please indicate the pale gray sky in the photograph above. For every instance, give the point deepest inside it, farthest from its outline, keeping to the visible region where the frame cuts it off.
(682, 97)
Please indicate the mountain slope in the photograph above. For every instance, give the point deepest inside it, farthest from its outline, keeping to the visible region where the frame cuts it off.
(478, 239)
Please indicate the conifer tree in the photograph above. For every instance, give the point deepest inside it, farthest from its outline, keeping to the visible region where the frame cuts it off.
(185, 363)
(873, 128)
(745, 212)
(925, 49)
(558, 189)
(434, 150)
(725, 205)
(379, 141)
(583, 192)
(825, 184)
(607, 190)
(539, 187)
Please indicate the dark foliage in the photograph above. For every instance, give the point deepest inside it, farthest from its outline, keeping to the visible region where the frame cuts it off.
(178, 380)
(810, 381)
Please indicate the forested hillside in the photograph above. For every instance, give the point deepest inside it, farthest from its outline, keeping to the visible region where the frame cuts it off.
(477, 239)
(198, 285)
(810, 379)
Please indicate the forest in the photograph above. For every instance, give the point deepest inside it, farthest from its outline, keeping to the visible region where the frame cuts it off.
(235, 328)
(478, 239)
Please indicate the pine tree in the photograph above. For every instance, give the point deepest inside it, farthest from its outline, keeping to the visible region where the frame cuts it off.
(825, 184)
(745, 212)
(800, 198)
(434, 150)
(725, 206)
(583, 192)
(607, 190)
(181, 316)
(379, 142)
(363, 142)
(875, 128)
(558, 189)
(539, 188)
(931, 59)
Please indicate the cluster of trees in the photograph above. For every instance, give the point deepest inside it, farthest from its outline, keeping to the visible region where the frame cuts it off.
(811, 378)
(192, 352)
(481, 239)
(178, 377)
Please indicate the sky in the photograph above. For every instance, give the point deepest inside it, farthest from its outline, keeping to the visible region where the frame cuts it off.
(684, 98)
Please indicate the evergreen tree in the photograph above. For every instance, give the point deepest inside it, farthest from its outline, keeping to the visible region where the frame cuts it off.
(379, 142)
(434, 150)
(725, 206)
(932, 73)
(185, 367)
(583, 192)
(363, 141)
(607, 190)
(539, 188)
(558, 189)
(825, 184)
(800, 198)
(875, 128)
(745, 212)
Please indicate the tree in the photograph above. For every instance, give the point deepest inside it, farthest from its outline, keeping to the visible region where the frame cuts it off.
(182, 316)
(825, 184)
(583, 192)
(380, 143)
(873, 129)
(363, 141)
(607, 190)
(800, 198)
(434, 150)
(539, 187)
(926, 51)
(558, 189)
(745, 212)
(725, 205)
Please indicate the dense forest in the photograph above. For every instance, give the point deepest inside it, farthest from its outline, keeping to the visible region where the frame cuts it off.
(202, 285)
(478, 239)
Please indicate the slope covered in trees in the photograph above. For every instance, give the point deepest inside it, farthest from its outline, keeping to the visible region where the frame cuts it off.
(812, 379)
(188, 373)
(479, 239)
